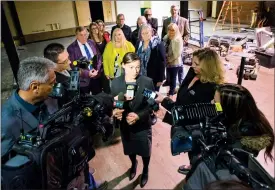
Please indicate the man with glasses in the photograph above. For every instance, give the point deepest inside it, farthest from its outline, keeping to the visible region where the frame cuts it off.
(150, 20)
(26, 109)
(120, 20)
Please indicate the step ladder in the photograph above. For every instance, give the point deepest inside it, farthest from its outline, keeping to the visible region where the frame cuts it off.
(235, 11)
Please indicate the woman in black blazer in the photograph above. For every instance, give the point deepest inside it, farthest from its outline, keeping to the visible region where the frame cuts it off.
(199, 86)
(152, 54)
(135, 120)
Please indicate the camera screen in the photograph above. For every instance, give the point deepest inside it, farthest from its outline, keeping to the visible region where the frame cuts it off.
(149, 94)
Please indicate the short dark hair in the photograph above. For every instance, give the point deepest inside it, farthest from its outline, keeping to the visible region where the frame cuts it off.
(130, 57)
(80, 29)
(53, 50)
(227, 185)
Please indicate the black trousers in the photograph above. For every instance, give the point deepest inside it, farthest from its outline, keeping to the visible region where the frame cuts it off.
(173, 72)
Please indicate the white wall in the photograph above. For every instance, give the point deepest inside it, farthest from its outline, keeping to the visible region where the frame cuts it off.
(197, 5)
(131, 10)
(162, 8)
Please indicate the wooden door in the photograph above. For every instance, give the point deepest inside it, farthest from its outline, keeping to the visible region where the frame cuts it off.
(107, 11)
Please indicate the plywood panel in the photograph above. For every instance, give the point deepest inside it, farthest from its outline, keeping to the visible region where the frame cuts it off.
(246, 11)
(83, 13)
(38, 16)
(107, 11)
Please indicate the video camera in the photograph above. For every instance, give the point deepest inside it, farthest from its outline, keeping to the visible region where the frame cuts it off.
(83, 63)
(199, 127)
(187, 118)
(211, 137)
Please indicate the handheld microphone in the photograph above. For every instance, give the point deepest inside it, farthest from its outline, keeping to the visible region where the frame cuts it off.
(131, 87)
(120, 102)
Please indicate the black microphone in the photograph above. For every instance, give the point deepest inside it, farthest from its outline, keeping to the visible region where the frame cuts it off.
(119, 103)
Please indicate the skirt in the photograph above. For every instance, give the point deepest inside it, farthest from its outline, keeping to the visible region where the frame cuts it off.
(139, 143)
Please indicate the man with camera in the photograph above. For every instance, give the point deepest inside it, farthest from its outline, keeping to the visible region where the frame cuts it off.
(25, 109)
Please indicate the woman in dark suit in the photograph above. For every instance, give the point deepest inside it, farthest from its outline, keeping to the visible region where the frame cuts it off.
(135, 120)
(199, 86)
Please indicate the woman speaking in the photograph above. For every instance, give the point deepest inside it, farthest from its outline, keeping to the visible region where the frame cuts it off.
(135, 120)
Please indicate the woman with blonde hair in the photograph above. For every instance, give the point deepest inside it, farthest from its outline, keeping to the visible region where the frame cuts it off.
(174, 46)
(114, 52)
(198, 86)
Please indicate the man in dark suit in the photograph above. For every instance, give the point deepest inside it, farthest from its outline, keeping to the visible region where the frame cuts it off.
(184, 31)
(26, 107)
(150, 20)
(83, 47)
(120, 20)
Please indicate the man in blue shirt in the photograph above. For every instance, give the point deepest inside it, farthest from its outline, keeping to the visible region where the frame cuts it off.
(25, 109)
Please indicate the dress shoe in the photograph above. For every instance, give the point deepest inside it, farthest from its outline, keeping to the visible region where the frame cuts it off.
(184, 169)
(154, 119)
(133, 171)
(144, 179)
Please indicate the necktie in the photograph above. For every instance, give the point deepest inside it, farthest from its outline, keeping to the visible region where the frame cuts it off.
(87, 52)
(88, 55)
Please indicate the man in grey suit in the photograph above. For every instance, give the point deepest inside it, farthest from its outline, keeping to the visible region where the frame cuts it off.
(180, 21)
(184, 30)
(25, 109)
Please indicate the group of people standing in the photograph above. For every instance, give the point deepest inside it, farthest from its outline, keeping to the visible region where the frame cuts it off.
(139, 57)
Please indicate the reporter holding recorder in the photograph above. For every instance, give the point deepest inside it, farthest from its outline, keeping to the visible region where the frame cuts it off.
(198, 86)
(135, 120)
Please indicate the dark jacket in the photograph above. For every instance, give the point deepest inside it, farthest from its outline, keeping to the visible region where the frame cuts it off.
(126, 30)
(134, 38)
(14, 117)
(156, 64)
(154, 23)
(75, 53)
(198, 93)
(138, 104)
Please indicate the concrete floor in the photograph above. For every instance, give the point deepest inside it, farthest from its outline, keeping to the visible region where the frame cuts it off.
(110, 162)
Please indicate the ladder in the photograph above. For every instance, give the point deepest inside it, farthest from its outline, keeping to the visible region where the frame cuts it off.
(234, 8)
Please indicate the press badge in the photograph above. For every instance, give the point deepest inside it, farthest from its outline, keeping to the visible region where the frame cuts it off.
(192, 92)
(218, 107)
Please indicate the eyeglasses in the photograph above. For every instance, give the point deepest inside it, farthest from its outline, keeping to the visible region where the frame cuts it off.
(94, 28)
(64, 62)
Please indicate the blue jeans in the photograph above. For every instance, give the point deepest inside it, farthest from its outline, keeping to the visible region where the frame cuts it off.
(173, 72)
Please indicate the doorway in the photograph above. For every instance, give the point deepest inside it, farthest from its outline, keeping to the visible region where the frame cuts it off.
(96, 10)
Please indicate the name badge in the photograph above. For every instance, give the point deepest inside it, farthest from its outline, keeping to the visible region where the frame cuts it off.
(192, 92)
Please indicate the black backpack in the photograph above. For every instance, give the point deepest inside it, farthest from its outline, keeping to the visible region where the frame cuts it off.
(59, 163)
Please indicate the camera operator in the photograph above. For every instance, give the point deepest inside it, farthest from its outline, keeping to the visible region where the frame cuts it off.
(247, 127)
(135, 120)
(57, 53)
(25, 108)
(198, 86)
